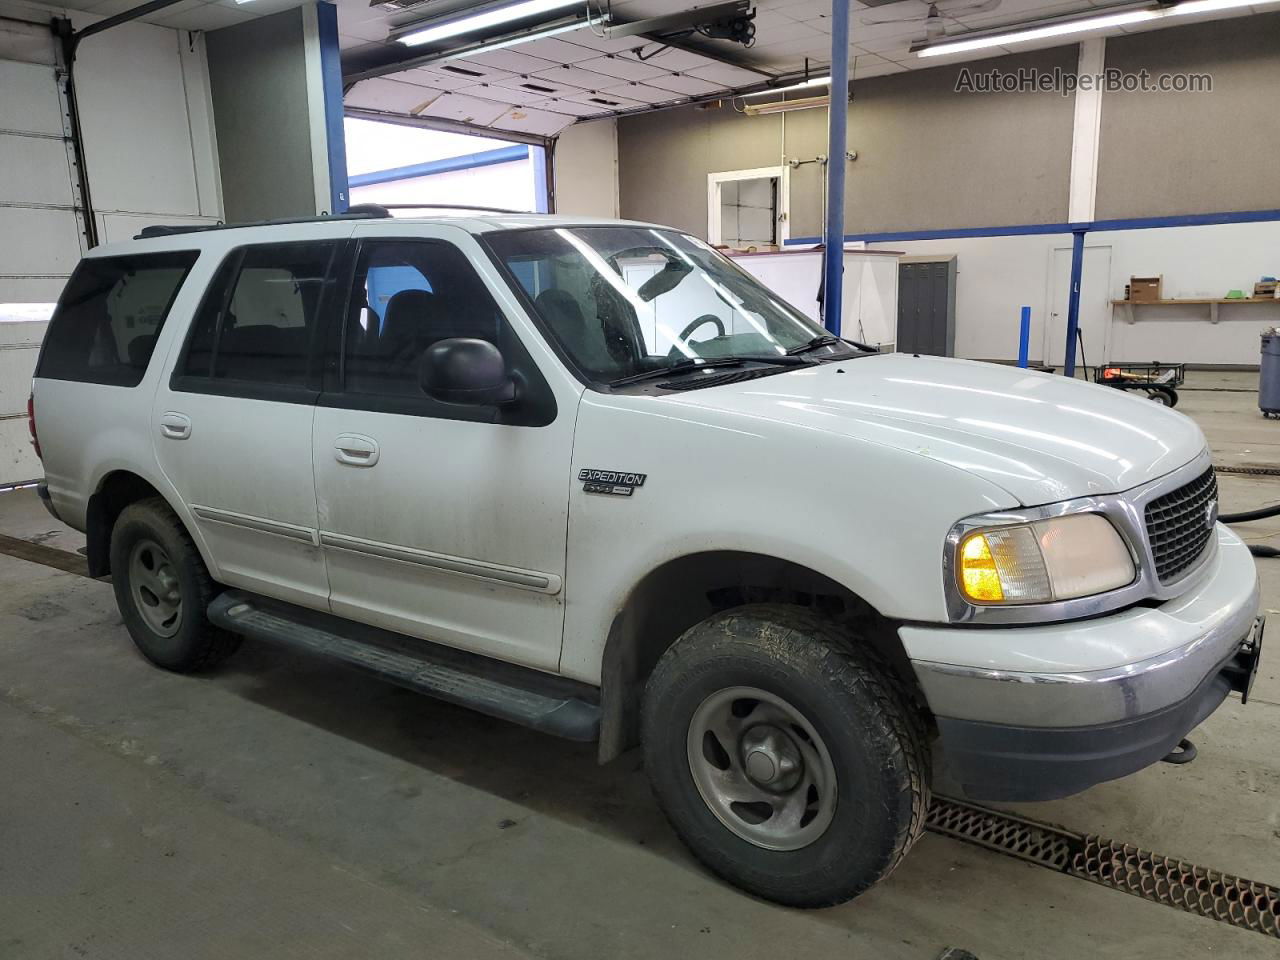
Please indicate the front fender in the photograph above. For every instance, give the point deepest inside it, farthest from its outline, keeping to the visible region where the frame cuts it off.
(871, 517)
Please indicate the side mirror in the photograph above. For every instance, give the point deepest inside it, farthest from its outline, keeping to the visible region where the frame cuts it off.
(468, 371)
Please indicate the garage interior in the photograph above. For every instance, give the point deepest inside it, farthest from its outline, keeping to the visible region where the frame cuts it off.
(281, 806)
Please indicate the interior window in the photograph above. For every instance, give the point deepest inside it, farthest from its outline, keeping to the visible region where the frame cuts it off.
(408, 296)
(107, 322)
(261, 315)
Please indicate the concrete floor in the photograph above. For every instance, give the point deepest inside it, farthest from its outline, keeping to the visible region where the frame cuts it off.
(282, 807)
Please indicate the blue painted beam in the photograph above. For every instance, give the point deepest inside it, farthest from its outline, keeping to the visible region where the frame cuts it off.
(1073, 302)
(469, 161)
(837, 146)
(1026, 229)
(331, 83)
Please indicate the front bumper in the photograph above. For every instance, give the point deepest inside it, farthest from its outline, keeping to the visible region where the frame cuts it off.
(1153, 674)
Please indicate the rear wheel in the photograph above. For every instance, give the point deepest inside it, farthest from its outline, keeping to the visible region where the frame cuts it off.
(785, 757)
(162, 589)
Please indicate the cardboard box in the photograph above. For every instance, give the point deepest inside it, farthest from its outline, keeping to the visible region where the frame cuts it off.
(1144, 289)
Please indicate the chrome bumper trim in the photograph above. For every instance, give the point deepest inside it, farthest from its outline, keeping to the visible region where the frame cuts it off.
(1085, 699)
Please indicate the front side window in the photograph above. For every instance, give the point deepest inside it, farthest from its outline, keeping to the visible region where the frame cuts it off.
(109, 317)
(261, 317)
(409, 295)
(626, 301)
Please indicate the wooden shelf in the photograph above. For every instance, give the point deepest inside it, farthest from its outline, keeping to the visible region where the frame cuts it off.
(1158, 303)
(1212, 303)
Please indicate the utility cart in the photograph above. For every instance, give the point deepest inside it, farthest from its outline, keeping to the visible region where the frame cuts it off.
(1159, 380)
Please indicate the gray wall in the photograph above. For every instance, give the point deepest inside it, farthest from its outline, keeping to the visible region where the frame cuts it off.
(1176, 153)
(664, 159)
(258, 81)
(928, 157)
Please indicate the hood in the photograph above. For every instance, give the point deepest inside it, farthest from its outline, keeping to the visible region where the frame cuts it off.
(1040, 437)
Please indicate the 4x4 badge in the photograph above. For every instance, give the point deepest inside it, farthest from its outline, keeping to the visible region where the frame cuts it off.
(615, 482)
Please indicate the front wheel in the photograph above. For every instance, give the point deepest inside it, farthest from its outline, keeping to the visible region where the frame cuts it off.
(785, 757)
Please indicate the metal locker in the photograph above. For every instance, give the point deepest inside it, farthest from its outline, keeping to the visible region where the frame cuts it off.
(927, 305)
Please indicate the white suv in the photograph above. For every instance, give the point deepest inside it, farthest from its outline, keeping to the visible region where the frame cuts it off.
(594, 478)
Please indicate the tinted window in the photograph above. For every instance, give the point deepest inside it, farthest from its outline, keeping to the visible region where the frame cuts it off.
(407, 296)
(110, 315)
(261, 315)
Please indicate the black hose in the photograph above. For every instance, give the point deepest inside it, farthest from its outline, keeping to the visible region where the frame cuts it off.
(1262, 513)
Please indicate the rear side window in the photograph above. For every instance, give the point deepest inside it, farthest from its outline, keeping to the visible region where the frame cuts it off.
(260, 319)
(110, 315)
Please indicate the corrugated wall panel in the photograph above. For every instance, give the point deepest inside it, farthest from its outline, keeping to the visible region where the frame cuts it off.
(40, 239)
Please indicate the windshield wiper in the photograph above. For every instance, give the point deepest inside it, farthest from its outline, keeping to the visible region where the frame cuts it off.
(689, 364)
(828, 340)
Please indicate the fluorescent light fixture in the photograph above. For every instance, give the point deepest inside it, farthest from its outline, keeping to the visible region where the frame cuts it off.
(815, 82)
(1065, 28)
(479, 21)
(513, 41)
(785, 106)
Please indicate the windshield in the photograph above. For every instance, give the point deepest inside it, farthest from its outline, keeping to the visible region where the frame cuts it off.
(623, 301)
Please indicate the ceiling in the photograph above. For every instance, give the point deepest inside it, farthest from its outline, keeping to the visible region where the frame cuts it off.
(540, 86)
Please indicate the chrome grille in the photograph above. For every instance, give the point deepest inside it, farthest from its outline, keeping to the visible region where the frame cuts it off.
(1180, 524)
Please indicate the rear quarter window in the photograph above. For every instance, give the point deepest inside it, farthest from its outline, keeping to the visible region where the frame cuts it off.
(110, 315)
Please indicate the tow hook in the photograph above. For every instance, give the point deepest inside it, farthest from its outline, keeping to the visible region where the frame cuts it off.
(1184, 752)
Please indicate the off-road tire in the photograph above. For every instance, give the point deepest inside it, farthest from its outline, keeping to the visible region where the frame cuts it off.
(861, 710)
(197, 644)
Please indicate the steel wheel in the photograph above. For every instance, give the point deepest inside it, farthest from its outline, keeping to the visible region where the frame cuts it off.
(154, 585)
(761, 768)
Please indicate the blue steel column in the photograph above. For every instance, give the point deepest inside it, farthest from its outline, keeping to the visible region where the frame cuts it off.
(837, 122)
(331, 74)
(1073, 303)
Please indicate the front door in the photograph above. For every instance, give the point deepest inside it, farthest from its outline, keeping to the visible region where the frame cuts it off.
(232, 426)
(445, 521)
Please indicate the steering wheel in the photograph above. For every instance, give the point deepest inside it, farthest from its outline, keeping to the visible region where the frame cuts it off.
(705, 318)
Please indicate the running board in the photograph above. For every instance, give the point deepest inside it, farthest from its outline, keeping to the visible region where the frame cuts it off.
(527, 697)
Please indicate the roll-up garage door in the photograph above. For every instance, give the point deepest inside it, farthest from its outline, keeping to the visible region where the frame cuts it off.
(40, 228)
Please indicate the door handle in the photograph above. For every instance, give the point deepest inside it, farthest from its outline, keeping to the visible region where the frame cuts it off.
(355, 450)
(175, 426)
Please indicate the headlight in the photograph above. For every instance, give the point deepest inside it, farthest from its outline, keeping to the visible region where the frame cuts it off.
(1043, 561)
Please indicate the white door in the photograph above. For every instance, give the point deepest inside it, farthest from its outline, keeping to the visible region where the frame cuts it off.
(40, 237)
(443, 521)
(1095, 307)
(232, 427)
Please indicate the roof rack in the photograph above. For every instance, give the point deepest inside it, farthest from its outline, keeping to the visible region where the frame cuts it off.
(361, 211)
(447, 206)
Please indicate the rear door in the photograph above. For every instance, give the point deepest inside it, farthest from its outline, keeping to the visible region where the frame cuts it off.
(232, 424)
(442, 521)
